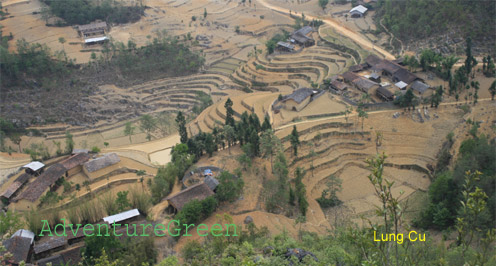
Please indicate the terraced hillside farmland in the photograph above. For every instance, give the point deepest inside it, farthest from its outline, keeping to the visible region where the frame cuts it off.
(341, 150)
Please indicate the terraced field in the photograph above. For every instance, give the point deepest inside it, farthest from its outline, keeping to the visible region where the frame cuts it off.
(342, 149)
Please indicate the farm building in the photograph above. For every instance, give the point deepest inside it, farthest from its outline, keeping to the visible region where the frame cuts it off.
(401, 85)
(45, 247)
(211, 182)
(297, 100)
(338, 85)
(96, 40)
(15, 187)
(419, 88)
(74, 164)
(285, 47)
(385, 93)
(123, 217)
(358, 11)
(372, 60)
(102, 165)
(34, 168)
(76, 151)
(302, 37)
(365, 84)
(199, 192)
(19, 246)
(39, 186)
(93, 29)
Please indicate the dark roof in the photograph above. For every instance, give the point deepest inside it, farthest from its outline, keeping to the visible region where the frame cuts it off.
(304, 30)
(211, 182)
(72, 256)
(338, 85)
(301, 34)
(49, 244)
(373, 60)
(285, 44)
(405, 76)
(357, 68)
(93, 26)
(19, 247)
(75, 160)
(199, 191)
(13, 188)
(387, 66)
(374, 75)
(299, 95)
(420, 86)
(364, 84)
(349, 76)
(55, 260)
(36, 188)
(102, 162)
(69, 256)
(384, 92)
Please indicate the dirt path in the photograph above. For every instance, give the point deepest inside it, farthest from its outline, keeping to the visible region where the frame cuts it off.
(360, 40)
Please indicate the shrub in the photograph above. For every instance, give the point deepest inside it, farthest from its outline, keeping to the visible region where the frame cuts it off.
(95, 149)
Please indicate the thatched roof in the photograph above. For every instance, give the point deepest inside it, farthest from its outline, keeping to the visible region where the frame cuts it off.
(286, 45)
(75, 160)
(36, 188)
(102, 162)
(49, 244)
(19, 247)
(199, 191)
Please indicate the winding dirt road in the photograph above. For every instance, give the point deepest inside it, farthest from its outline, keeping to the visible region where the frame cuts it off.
(357, 38)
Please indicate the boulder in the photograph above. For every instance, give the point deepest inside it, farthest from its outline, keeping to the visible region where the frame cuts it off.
(248, 219)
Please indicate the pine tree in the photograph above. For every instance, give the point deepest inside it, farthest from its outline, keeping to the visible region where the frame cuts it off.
(229, 112)
(295, 141)
(181, 123)
(266, 123)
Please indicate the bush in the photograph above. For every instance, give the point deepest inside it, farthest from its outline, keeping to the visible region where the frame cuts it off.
(95, 149)
(229, 187)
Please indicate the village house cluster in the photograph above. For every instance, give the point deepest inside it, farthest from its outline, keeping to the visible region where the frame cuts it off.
(381, 77)
(302, 37)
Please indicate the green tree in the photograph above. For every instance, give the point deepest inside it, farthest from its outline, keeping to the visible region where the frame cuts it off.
(10, 222)
(266, 124)
(270, 145)
(323, 3)
(229, 188)
(230, 136)
(129, 130)
(229, 112)
(62, 41)
(69, 142)
(98, 245)
(181, 124)
(205, 13)
(362, 114)
(122, 201)
(492, 90)
(147, 124)
(295, 141)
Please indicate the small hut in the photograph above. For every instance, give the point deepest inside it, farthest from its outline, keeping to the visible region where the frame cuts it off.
(199, 192)
(34, 168)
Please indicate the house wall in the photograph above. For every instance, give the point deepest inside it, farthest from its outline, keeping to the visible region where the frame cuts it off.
(292, 105)
(74, 171)
(102, 171)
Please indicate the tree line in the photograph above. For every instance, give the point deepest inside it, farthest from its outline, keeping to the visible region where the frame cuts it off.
(78, 12)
